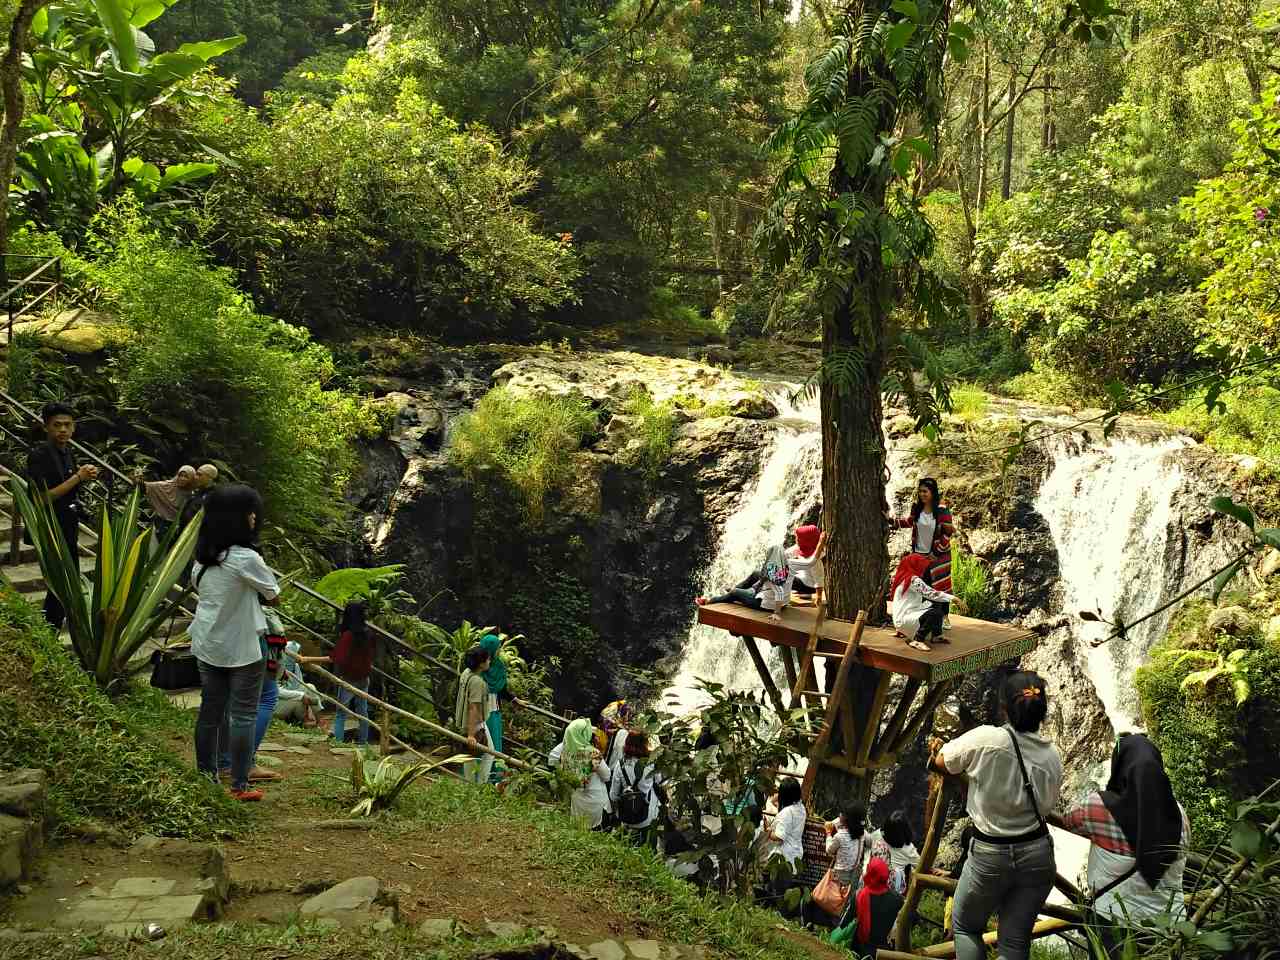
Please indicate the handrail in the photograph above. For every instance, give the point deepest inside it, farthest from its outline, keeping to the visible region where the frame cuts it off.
(52, 261)
(301, 587)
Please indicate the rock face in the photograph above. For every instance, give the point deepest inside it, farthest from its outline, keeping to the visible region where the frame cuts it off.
(22, 795)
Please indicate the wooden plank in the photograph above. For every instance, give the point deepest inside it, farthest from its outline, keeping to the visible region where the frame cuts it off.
(766, 676)
(873, 718)
(845, 764)
(833, 706)
(899, 717)
(789, 665)
(931, 700)
(847, 726)
(806, 664)
(975, 644)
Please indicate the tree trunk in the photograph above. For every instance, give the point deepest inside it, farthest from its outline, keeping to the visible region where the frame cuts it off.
(14, 105)
(1048, 128)
(984, 129)
(1006, 184)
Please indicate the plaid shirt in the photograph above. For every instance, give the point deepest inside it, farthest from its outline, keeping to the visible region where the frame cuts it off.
(1092, 819)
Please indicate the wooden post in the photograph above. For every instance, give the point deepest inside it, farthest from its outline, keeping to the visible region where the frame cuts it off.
(931, 701)
(833, 705)
(384, 733)
(935, 805)
(873, 719)
(899, 717)
(766, 677)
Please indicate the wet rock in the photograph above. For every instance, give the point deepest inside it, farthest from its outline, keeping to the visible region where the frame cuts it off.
(1233, 621)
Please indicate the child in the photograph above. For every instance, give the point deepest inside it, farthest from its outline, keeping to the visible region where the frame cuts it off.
(918, 609)
(769, 588)
(805, 560)
(470, 714)
(894, 844)
(847, 840)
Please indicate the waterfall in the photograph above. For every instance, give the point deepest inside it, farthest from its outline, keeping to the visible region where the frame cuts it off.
(1110, 510)
(788, 487)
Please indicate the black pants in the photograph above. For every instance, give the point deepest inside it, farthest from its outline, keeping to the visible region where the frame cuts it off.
(53, 609)
(931, 621)
(743, 593)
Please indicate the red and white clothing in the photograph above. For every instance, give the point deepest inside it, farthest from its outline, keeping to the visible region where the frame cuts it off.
(1111, 856)
(911, 602)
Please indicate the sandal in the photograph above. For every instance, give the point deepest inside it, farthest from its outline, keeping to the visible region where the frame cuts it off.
(919, 645)
(701, 601)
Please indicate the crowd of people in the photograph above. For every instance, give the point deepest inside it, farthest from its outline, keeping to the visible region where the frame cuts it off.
(1012, 774)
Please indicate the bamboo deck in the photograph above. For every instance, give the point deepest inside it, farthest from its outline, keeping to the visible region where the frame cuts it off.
(975, 644)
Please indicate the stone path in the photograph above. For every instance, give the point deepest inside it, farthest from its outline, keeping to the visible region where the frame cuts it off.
(605, 948)
(77, 330)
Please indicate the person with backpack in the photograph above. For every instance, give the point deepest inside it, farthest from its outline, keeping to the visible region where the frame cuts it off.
(1014, 776)
(636, 789)
(232, 583)
(895, 845)
(471, 712)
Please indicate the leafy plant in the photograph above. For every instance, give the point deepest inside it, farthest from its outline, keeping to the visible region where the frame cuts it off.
(969, 403)
(652, 430)
(129, 596)
(1231, 668)
(971, 583)
(377, 586)
(377, 784)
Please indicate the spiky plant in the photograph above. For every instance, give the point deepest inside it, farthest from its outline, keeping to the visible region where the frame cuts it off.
(377, 784)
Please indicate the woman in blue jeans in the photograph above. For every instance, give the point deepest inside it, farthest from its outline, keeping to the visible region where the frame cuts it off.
(232, 582)
(1015, 777)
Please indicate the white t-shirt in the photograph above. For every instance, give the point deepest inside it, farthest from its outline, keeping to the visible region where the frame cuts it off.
(926, 525)
(789, 825)
(645, 784)
(591, 800)
(997, 802)
(847, 851)
(911, 602)
(229, 620)
(775, 596)
(808, 570)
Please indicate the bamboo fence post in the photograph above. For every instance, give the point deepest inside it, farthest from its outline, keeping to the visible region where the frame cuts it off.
(935, 806)
(384, 731)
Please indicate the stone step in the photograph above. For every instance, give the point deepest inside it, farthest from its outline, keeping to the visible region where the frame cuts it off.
(28, 579)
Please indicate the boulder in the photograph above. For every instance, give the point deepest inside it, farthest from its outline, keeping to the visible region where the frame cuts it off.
(437, 931)
(1233, 621)
(20, 842)
(22, 793)
(352, 903)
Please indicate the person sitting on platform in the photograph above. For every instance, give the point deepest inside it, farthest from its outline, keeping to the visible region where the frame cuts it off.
(876, 909)
(918, 608)
(805, 560)
(1014, 776)
(1139, 835)
(768, 588)
(895, 845)
(298, 700)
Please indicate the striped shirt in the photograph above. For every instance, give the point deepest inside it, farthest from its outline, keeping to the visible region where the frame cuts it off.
(944, 529)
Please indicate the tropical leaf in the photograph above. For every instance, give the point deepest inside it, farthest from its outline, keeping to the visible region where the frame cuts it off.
(1238, 511)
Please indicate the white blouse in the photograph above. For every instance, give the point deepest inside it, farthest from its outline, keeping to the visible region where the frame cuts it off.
(911, 602)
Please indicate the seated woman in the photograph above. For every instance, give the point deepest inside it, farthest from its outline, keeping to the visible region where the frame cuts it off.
(1139, 836)
(805, 560)
(769, 588)
(581, 764)
(918, 609)
(895, 845)
(877, 909)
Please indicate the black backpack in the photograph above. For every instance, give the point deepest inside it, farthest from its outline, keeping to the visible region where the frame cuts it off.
(633, 805)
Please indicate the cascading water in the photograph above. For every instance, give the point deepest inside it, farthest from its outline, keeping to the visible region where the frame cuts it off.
(788, 486)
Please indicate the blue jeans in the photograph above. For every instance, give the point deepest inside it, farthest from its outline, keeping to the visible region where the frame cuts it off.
(1011, 879)
(360, 706)
(228, 710)
(266, 709)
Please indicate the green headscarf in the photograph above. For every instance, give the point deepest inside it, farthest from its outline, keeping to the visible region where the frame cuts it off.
(578, 756)
(496, 675)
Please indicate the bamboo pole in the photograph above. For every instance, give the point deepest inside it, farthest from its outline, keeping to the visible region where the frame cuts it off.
(833, 705)
(935, 805)
(900, 713)
(1043, 928)
(931, 701)
(873, 719)
(434, 727)
(384, 731)
(948, 886)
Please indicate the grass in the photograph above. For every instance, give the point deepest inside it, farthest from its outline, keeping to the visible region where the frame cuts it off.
(105, 758)
(971, 583)
(1051, 387)
(630, 879)
(969, 402)
(654, 426)
(527, 440)
(1250, 425)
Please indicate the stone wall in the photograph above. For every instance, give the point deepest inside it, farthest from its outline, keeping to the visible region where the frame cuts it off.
(22, 796)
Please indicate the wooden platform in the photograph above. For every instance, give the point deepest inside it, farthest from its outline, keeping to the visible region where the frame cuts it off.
(975, 644)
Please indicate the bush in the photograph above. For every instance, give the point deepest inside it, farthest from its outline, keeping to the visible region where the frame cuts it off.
(104, 759)
(677, 322)
(1042, 384)
(1218, 738)
(1250, 425)
(237, 386)
(969, 402)
(972, 584)
(527, 441)
(654, 428)
(988, 356)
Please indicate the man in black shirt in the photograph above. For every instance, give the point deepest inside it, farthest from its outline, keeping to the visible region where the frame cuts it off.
(51, 468)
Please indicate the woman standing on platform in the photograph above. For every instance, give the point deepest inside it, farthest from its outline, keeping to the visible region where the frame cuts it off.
(1015, 777)
(932, 528)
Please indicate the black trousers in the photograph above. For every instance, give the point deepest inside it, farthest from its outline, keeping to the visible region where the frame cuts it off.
(53, 609)
(743, 593)
(931, 621)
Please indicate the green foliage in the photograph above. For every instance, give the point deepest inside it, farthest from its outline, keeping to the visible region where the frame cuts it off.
(1210, 702)
(675, 322)
(235, 385)
(377, 784)
(1250, 424)
(652, 430)
(971, 583)
(113, 613)
(524, 442)
(969, 402)
(375, 585)
(105, 757)
(392, 212)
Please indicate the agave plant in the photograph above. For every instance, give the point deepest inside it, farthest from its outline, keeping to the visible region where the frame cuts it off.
(130, 594)
(378, 783)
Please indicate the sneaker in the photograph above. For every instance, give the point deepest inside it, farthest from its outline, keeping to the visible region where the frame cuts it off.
(247, 796)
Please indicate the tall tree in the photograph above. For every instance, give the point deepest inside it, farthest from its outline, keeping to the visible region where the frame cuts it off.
(14, 105)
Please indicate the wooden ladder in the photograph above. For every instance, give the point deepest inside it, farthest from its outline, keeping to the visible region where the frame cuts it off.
(806, 673)
(836, 702)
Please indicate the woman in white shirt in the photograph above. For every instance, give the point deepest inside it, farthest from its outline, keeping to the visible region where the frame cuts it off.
(895, 845)
(918, 609)
(769, 588)
(634, 772)
(580, 763)
(804, 558)
(847, 841)
(232, 582)
(1015, 777)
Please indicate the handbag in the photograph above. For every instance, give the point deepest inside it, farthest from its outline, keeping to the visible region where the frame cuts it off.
(830, 894)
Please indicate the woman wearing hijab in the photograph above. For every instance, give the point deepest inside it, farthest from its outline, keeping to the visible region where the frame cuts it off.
(918, 609)
(499, 693)
(168, 497)
(1139, 834)
(805, 560)
(769, 588)
(582, 766)
(876, 910)
(615, 721)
